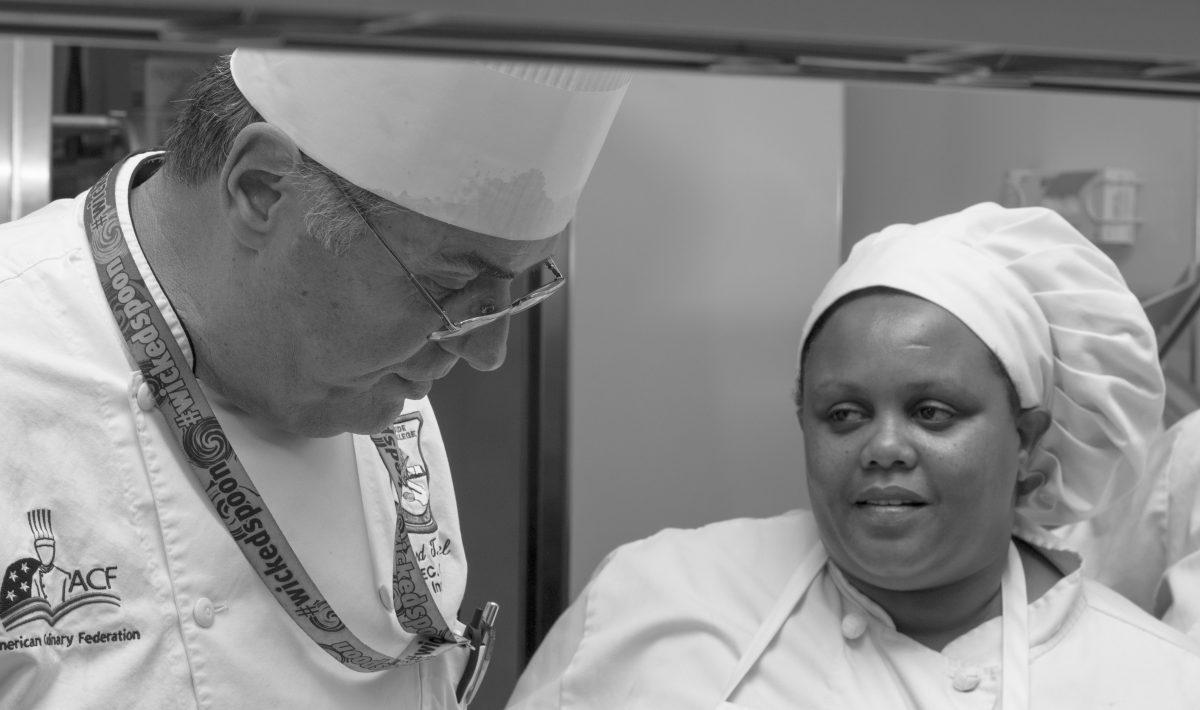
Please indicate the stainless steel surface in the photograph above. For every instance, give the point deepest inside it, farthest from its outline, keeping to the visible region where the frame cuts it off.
(115, 122)
(25, 80)
(1125, 46)
(8, 124)
(547, 526)
(86, 122)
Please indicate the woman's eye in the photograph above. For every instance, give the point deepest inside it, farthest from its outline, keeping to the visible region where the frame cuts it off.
(933, 414)
(844, 414)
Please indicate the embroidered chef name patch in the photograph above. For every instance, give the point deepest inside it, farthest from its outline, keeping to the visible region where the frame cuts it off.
(71, 640)
(429, 556)
(43, 588)
(401, 445)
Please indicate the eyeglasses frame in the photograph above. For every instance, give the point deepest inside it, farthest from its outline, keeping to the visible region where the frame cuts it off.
(467, 325)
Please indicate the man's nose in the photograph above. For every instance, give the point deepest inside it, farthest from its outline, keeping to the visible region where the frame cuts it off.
(484, 348)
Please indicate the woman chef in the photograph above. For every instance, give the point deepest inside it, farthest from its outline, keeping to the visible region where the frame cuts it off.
(964, 383)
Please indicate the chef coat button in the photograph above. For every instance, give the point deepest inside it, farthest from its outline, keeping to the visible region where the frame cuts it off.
(385, 596)
(204, 613)
(966, 680)
(145, 397)
(853, 625)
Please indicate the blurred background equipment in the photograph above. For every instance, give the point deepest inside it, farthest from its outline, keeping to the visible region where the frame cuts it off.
(1173, 313)
(1101, 203)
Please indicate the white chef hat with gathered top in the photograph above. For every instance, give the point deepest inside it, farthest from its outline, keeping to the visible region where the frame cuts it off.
(1059, 317)
(500, 148)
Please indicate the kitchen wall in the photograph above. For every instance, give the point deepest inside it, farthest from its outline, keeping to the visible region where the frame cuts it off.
(913, 153)
(707, 227)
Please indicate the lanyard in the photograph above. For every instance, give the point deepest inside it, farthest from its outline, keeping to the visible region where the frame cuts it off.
(224, 479)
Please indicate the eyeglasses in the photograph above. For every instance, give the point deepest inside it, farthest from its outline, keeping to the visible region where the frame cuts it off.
(454, 329)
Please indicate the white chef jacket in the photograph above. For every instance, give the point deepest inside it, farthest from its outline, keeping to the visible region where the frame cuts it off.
(664, 621)
(155, 606)
(1180, 592)
(1148, 545)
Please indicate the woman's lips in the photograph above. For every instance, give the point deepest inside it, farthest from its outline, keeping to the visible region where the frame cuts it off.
(888, 503)
(889, 506)
(889, 496)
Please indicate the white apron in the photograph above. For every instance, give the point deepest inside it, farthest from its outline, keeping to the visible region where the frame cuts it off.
(1015, 633)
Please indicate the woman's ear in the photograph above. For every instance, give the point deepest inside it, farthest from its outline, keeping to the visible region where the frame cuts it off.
(1032, 423)
(1029, 483)
(259, 158)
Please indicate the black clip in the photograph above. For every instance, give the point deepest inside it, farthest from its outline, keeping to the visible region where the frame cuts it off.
(480, 633)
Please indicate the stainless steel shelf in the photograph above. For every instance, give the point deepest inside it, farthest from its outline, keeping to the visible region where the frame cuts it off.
(1125, 46)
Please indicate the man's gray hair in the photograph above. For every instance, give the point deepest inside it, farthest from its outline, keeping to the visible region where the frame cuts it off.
(214, 112)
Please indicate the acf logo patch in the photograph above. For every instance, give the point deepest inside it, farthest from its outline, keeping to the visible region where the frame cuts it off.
(401, 453)
(36, 588)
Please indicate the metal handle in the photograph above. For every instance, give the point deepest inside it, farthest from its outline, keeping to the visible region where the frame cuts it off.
(482, 633)
(117, 121)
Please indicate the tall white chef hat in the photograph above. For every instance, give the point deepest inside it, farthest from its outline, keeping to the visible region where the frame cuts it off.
(1056, 312)
(498, 148)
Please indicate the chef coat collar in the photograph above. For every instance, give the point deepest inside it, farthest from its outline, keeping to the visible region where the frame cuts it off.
(1049, 615)
(137, 167)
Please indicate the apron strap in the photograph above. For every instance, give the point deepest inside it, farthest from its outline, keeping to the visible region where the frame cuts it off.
(791, 595)
(1014, 669)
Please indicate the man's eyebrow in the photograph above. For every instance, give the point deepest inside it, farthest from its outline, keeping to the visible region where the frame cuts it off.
(480, 265)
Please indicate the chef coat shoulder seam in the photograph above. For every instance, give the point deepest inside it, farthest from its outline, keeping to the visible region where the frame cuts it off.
(1079, 605)
(25, 269)
(768, 529)
(590, 623)
(1165, 634)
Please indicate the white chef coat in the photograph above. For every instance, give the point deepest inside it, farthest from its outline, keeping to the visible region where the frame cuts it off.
(665, 620)
(163, 610)
(1180, 592)
(1148, 546)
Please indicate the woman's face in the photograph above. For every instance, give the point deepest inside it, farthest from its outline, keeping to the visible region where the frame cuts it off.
(911, 443)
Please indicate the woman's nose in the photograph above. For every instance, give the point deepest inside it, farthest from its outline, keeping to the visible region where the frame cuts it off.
(888, 447)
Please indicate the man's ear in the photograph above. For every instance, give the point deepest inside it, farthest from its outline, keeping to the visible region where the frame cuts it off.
(251, 181)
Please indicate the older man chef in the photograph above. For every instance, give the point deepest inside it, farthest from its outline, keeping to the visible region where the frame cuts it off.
(184, 348)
